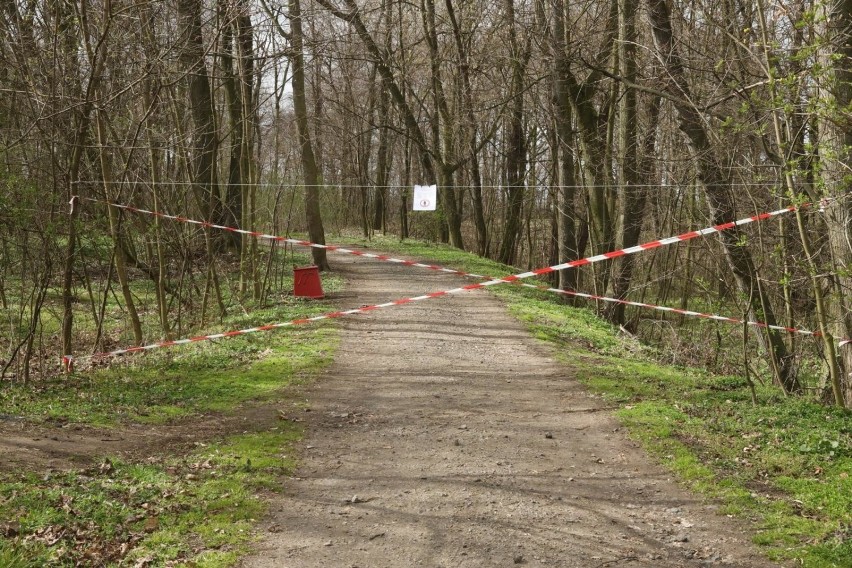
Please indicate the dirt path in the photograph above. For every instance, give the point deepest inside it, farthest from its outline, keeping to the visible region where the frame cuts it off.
(56, 446)
(443, 436)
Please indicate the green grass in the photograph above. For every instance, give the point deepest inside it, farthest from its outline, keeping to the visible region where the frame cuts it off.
(198, 510)
(785, 464)
(169, 383)
(188, 384)
(117, 329)
(189, 510)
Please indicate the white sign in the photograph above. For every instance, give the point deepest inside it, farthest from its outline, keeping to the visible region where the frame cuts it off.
(425, 197)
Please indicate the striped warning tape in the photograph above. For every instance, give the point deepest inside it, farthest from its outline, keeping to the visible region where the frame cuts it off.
(690, 313)
(68, 359)
(572, 264)
(280, 239)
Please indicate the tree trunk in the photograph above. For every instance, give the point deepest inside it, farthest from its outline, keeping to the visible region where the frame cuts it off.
(310, 171)
(471, 127)
(121, 271)
(633, 212)
(516, 151)
(383, 152)
(836, 165)
(442, 132)
(404, 195)
(201, 107)
(383, 165)
(450, 205)
(634, 178)
(593, 142)
(717, 188)
(232, 212)
(566, 214)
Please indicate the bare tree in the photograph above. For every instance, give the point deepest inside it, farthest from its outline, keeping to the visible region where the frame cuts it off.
(310, 170)
(836, 164)
(516, 151)
(717, 189)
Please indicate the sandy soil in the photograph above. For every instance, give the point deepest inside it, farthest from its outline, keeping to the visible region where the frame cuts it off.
(444, 436)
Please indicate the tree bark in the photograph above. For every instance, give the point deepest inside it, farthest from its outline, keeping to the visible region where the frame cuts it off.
(633, 215)
(442, 131)
(634, 180)
(717, 189)
(836, 165)
(566, 213)
(383, 151)
(201, 107)
(593, 142)
(516, 151)
(232, 212)
(383, 163)
(471, 127)
(310, 170)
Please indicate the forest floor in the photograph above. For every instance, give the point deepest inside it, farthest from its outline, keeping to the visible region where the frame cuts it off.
(443, 435)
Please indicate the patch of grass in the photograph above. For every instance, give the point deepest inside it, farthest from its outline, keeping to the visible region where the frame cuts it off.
(117, 330)
(568, 323)
(197, 510)
(11, 557)
(191, 510)
(170, 383)
(786, 463)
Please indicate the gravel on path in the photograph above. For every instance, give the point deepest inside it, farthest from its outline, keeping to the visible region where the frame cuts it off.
(443, 435)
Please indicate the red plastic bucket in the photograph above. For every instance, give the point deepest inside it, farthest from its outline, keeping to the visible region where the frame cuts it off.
(306, 282)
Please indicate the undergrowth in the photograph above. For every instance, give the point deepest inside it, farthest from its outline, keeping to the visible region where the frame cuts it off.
(175, 382)
(194, 510)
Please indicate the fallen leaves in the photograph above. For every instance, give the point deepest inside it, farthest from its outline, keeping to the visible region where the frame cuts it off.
(83, 544)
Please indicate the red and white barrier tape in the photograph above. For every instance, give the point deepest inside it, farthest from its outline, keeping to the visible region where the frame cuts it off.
(280, 239)
(573, 264)
(726, 319)
(68, 359)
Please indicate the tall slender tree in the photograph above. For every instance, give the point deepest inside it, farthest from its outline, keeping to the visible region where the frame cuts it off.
(516, 148)
(310, 170)
(835, 119)
(717, 188)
